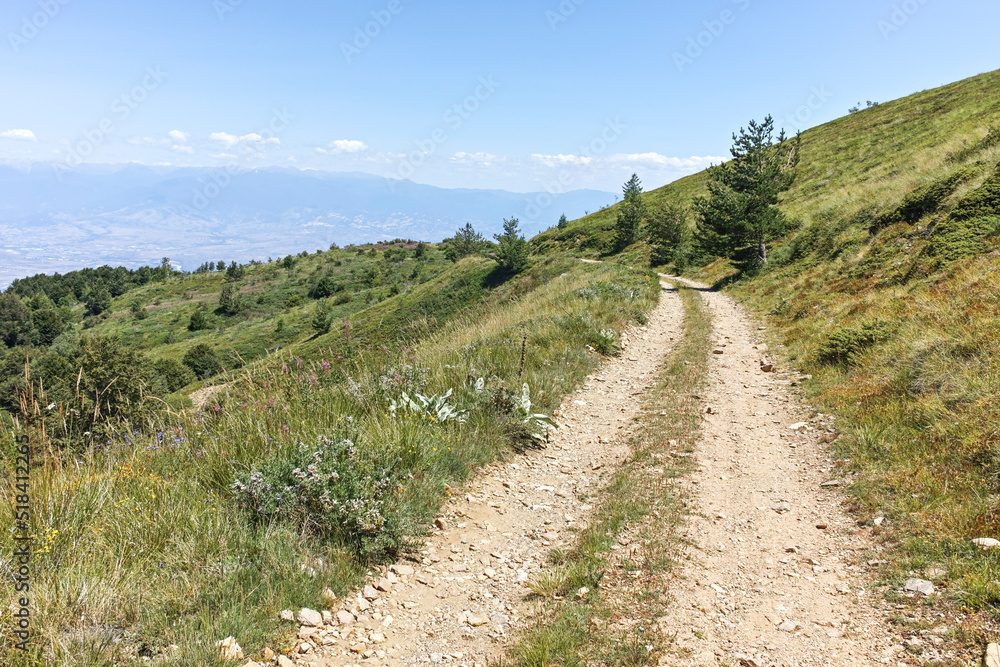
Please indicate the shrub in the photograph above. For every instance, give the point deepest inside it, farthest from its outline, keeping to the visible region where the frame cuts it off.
(922, 201)
(173, 374)
(199, 322)
(321, 320)
(342, 298)
(203, 361)
(973, 220)
(842, 347)
(325, 287)
(334, 489)
(230, 301)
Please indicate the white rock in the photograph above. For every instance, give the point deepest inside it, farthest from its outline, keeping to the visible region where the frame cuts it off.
(476, 621)
(285, 662)
(798, 425)
(369, 593)
(287, 615)
(790, 626)
(310, 618)
(919, 586)
(229, 649)
(403, 570)
(345, 617)
(993, 655)
(987, 543)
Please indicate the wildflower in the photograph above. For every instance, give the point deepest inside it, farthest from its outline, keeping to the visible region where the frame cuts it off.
(217, 407)
(298, 362)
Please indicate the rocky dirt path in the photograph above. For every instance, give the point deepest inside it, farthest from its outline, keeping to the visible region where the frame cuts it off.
(776, 570)
(774, 573)
(461, 602)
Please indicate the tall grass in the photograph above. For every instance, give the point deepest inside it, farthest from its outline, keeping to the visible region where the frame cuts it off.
(142, 547)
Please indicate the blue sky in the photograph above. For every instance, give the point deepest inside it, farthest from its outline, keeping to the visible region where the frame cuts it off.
(515, 94)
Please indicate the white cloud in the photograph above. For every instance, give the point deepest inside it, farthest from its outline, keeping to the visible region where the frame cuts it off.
(179, 137)
(562, 160)
(664, 161)
(477, 159)
(21, 135)
(182, 149)
(230, 140)
(344, 146)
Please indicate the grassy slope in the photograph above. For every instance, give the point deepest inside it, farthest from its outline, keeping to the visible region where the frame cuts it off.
(143, 540)
(270, 292)
(917, 399)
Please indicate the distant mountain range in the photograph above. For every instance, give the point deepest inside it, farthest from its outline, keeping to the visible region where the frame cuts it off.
(57, 220)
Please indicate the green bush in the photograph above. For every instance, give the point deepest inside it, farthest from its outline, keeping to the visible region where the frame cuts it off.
(924, 200)
(199, 321)
(335, 489)
(203, 361)
(173, 374)
(842, 347)
(974, 220)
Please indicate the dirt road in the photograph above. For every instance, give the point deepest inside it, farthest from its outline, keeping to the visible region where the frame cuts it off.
(775, 574)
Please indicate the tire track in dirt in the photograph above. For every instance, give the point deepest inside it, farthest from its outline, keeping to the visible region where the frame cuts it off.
(775, 573)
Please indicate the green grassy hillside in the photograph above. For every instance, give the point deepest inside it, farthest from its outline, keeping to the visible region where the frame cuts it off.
(179, 527)
(887, 295)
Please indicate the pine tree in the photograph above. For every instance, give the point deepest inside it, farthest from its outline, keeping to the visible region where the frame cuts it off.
(512, 255)
(467, 241)
(322, 320)
(563, 222)
(198, 321)
(630, 215)
(669, 236)
(740, 215)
